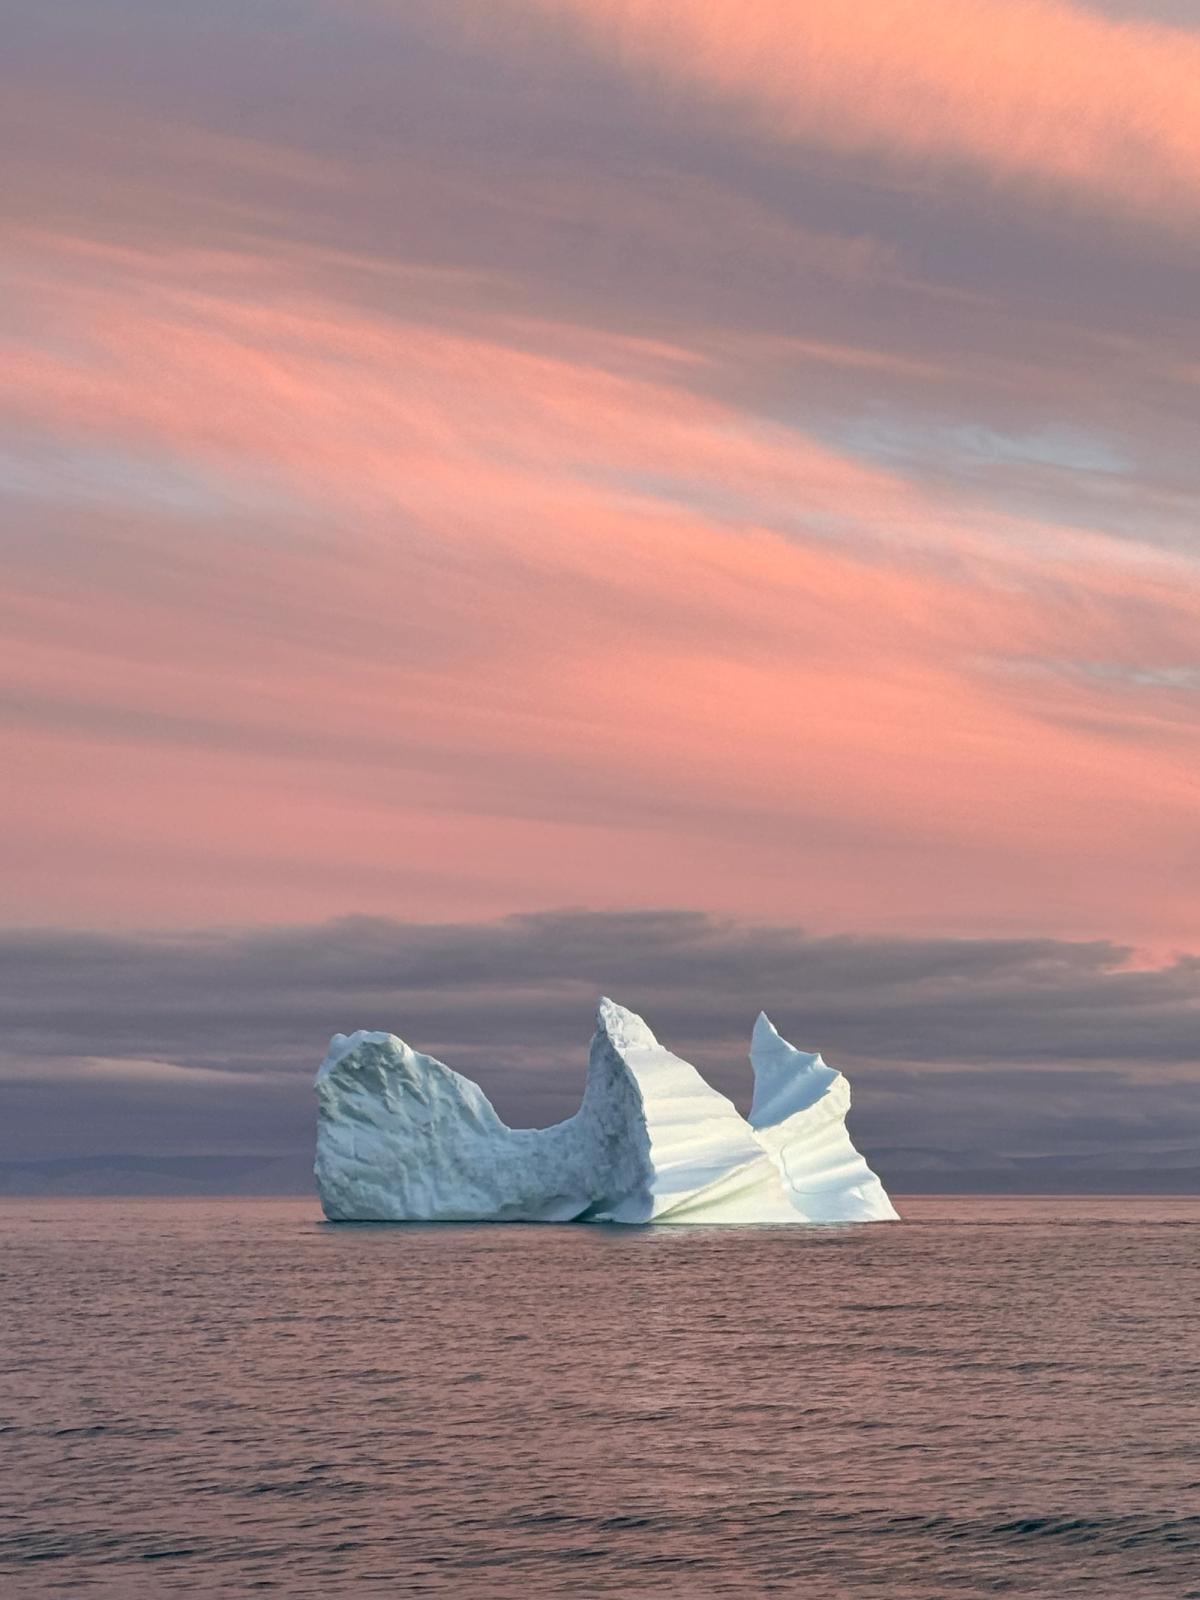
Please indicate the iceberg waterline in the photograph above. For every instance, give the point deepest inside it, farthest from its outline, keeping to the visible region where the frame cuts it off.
(401, 1137)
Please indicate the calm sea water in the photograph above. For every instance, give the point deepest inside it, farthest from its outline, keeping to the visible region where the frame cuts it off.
(232, 1398)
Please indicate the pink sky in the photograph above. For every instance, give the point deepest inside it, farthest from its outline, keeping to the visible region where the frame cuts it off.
(500, 458)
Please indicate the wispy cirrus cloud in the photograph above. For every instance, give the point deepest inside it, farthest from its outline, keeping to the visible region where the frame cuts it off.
(620, 608)
(1033, 91)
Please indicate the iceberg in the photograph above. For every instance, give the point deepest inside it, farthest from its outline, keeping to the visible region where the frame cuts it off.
(401, 1137)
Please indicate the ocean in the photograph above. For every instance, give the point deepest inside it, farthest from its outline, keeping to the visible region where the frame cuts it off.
(231, 1397)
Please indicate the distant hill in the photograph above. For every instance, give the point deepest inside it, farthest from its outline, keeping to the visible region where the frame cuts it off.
(907, 1171)
(918, 1171)
(165, 1175)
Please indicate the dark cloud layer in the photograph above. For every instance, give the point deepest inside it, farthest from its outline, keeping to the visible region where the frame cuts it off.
(185, 1060)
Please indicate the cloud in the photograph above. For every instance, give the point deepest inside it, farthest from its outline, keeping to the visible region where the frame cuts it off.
(532, 184)
(130, 1072)
(508, 587)
(1032, 91)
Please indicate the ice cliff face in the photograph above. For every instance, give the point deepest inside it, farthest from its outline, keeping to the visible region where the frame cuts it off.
(402, 1138)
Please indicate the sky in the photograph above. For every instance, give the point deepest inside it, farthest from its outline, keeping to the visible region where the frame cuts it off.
(503, 500)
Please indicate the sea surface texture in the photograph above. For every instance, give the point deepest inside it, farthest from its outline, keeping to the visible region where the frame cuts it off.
(994, 1397)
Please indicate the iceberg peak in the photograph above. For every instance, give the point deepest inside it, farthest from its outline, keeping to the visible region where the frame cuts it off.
(786, 1080)
(624, 1027)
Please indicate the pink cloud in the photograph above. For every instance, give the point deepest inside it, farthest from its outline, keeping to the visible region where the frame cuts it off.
(1037, 91)
(544, 626)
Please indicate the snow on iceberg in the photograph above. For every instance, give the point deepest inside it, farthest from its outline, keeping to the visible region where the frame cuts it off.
(403, 1138)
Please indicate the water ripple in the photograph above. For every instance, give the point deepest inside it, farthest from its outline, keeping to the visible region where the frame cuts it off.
(227, 1398)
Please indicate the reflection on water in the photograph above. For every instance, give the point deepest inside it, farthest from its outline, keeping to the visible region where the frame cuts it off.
(224, 1398)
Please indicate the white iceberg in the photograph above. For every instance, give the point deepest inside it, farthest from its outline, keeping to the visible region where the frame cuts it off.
(403, 1138)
